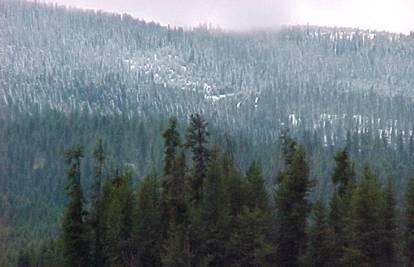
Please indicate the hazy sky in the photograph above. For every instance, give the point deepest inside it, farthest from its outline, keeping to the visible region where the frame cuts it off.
(390, 15)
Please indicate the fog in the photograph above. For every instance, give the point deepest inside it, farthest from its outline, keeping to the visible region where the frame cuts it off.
(389, 15)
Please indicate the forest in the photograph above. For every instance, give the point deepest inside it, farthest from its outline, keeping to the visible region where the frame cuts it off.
(202, 210)
(309, 151)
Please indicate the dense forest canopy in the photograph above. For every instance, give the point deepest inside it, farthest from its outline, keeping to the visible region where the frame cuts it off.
(70, 76)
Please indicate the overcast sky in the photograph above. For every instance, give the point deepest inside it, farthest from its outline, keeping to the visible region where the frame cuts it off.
(389, 15)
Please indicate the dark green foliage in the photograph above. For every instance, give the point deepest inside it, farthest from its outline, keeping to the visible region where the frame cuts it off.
(118, 204)
(74, 229)
(249, 243)
(147, 232)
(343, 175)
(320, 242)
(389, 246)
(171, 144)
(344, 182)
(196, 140)
(214, 214)
(292, 207)
(257, 197)
(96, 218)
(366, 226)
(409, 223)
(232, 223)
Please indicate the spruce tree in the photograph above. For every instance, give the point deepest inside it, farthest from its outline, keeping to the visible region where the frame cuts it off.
(343, 180)
(366, 226)
(249, 243)
(74, 229)
(343, 175)
(320, 239)
(147, 229)
(292, 207)
(96, 219)
(256, 191)
(118, 206)
(409, 223)
(389, 250)
(171, 144)
(214, 214)
(196, 140)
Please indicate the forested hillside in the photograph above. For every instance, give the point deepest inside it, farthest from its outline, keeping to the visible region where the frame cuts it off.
(202, 210)
(71, 76)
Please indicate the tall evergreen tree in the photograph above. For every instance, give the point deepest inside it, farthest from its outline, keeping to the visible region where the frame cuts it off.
(343, 180)
(366, 228)
(320, 239)
(118, 205)
(292, 208)
(214, 214)
(196, 140)
(389, 249)
(74, 229)
(249, 243)
(147, 229)
(256, 191)
(343, 175)
(96, 219)
(409, 223)
(171, 143)
(177, 249)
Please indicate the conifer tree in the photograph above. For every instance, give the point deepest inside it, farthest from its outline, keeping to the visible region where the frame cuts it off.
(343, 175)
(74, 229)
(409, 223)
(389, 250)
(147, 230)
(343, 180)
(249, 243)
(214, 214)
(196, 140)
(366, 228)
(96, 212)
(177, 247)
(171, 144)
(292, 208)
(320, 239)
(256, 191)
(118, 208)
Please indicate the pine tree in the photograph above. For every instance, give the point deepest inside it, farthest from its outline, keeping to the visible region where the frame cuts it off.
(249, 243)
(74, 229)
(96, 212)
(292, 208)
(214, 214)
(118, 206)
(196, 140)
(343, 174)
(409, 223)
(256, 191)
(175, 191)
(171, 144)
(320, 239)
(147, 230)
(365, 232)
(343, 179)
(176, 250)
(389, 249)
